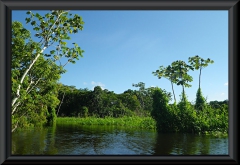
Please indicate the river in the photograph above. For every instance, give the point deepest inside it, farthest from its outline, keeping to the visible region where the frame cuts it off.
(72, 139)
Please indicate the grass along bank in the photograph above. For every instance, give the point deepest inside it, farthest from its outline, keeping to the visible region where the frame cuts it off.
(130, 122)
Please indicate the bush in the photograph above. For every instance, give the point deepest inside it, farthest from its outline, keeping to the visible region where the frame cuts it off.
(200, 100)
(85, 111)
(186, 115)
(160, 110)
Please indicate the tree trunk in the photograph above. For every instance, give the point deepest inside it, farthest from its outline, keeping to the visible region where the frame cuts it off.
(200, 76)
(16, 125)
(173, 92)
(24, 75)
(61, 103)
(183, 96)
(30, 66)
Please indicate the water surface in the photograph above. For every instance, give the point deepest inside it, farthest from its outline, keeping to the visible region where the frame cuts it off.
(73, 139)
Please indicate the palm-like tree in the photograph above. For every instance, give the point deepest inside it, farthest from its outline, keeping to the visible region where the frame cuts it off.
(168, 73)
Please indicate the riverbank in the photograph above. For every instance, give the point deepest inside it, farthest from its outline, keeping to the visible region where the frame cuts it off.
(130, 122)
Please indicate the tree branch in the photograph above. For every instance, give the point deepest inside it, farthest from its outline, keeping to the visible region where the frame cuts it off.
(24, 75)
(61, 103)
(15, 108)
(54, 24)
(33, 85)
(16, 125)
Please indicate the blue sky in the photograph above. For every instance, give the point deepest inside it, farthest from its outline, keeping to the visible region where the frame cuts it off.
(125, 47)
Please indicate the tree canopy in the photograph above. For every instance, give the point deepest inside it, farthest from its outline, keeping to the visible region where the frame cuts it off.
(35, 73)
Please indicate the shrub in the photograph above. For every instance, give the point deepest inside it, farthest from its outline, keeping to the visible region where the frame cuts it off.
(85, 111)
(200, 100)
(160, 110)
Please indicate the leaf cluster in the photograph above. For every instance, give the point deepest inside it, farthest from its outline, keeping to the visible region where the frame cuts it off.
(198, 63)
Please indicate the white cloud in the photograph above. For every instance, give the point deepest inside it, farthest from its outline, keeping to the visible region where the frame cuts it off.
(84, 83)
(226, 84)
(222, 94)
(97, 84)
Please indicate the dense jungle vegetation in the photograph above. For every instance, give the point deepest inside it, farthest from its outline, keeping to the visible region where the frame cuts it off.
(38, 98)
(135, 107)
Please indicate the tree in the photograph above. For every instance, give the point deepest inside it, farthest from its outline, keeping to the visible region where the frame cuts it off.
(130, 101)
(68, 95)
(218, 104)
(144, 96)
(181, 72)
(97, 100)
(52, 28)
(199, 63)
(141, 93)
(168, 73)
(39, 99)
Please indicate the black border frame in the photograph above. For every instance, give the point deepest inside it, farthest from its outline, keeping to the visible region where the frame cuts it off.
(5, 76)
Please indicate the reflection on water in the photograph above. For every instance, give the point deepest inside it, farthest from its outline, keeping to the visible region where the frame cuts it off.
(108, 140)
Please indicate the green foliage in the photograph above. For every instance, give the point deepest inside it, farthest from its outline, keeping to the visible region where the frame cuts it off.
(84, 111)
(218, 104)
(181, 73)
(130, 100)
(37, 99)
(177, 117)
(183, 117)
(160, 110)
(168, 73)
(130, 122)
(199, 63)
(97, 100)
(186, 114)
(103, 103)
(51, 117)
(34, 74)
(177, 73)
(212, 120)
(144, 96)
(200, 100)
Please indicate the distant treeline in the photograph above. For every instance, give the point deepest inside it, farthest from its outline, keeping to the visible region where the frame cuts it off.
(102, 103)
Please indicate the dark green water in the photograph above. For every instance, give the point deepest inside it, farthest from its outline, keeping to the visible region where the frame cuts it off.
(107, 140)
